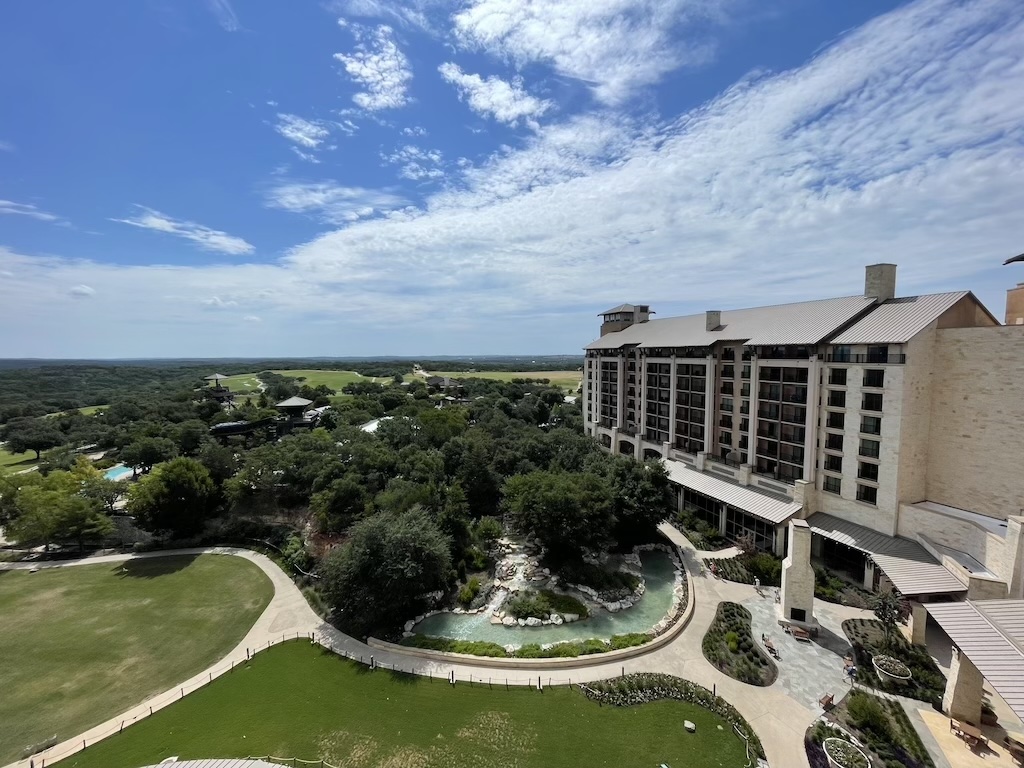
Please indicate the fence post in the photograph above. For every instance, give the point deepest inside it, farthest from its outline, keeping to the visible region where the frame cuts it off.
(183, 693)
(122, 727)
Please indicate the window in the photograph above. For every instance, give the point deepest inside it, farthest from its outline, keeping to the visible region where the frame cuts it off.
(835, 419)
(832, 484)
(872, 401)
(867, 494)
(837, 377)
(725, 438)
(833, 463)
(841, 354)
(837, 398)
(871, 425)
(868, 448)
(727, 404)
(878, 354)
(834, 442)
(874, 377)
(868, 471)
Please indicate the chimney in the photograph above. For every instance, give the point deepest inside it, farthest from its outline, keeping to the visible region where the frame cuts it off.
(880, 282)
(1015, 305)
(713, 320)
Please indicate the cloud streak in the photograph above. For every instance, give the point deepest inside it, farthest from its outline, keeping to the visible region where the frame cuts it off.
(11, 208)
(506, 102)
(208, 239)
(378, 66)
(331, 202)
(225, 14)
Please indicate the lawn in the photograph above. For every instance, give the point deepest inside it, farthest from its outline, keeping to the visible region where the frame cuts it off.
(15, 462)
(568, 380)
(333, 379)
(88, 410)
(296, 700)
(81, 644)
(242, 384)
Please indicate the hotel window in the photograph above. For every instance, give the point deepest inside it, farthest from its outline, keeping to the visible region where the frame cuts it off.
(874, 377)
(868, 448)
(837, 377)
(878, 354)
(837, 398)
(871, 425)
(868, 471)
(867, 494)
(841, 354)
(834, 442)
(725, 438)
(835, 420)
(833, 463)
(832, 484)
(872, 401)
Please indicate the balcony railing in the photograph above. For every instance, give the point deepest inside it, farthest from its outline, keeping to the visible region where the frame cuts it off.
(715, 459)
(832, 357)
(870, 453)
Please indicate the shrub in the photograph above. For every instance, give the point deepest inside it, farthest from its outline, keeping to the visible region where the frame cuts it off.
(448, 645)
(610, 585)
(733, 641)
(564, 603)
(631, 640)
(531, 651)
(477, 559)
(469, 592)
(487, 530)
(525, 604)
(867, 714)
(729, 646)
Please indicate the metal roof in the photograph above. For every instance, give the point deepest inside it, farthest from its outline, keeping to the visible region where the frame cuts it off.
(897, 321)
(991, 634)
(223, 762)
(623, 308)
(807, 322)
(215, 377)
(294, 402)
(774, 509)
(907, 564)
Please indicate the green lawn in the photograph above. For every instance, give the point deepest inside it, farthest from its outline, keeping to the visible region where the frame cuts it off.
(333, 379)
(296, 700)
(88, 410)
(15, 462)
(79, 645)
(243, 384)
(567, 380)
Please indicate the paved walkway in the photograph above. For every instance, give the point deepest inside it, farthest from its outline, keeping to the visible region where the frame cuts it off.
(780, 714)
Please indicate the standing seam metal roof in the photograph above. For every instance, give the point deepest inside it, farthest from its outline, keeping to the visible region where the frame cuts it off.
(805, 322)
(991, 634)
(771, 508)
(907, 564)
(897, 321)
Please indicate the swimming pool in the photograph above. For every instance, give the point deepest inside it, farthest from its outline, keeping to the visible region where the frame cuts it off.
(120, 472)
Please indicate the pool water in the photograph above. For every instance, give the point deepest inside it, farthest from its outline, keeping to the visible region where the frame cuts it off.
(120, 472)
(648, 611)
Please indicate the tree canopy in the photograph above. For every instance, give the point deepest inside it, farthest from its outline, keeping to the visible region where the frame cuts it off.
(176, 498)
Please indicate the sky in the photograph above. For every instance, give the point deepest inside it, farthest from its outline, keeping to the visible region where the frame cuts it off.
(211, 178)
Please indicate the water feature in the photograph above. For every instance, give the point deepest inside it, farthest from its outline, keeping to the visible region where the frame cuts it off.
(120, 472)
(658, 574)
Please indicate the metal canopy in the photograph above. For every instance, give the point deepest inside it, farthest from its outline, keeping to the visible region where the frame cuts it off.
(773, 509)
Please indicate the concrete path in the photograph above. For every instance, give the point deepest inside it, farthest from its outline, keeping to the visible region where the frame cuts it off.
(779, 718)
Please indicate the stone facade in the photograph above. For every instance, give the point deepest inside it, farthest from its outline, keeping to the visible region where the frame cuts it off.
(797, 600)
(964, 689)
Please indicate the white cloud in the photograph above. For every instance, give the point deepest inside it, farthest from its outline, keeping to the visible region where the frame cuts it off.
(306, 133)
(82, 291)
(504, 101)
(420, 14)
(206, 238)
(414, 130)
(251, 319)
(417, 164)
(225, 14)
(9, 207)
(380, 67)
(216, 302)
(331, 202)
(616, 46)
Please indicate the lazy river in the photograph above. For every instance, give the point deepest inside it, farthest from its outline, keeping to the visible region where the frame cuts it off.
(648, 611)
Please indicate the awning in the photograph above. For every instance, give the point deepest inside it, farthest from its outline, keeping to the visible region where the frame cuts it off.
(991, 634)
(907, 564)
(773, 509)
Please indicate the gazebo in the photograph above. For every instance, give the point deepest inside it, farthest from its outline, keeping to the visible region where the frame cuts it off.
(216, 390)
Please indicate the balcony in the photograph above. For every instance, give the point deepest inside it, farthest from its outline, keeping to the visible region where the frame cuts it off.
(715, 459)
(725, 389)
(879, 358)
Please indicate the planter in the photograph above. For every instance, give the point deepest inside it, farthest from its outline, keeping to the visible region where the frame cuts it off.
(843, 754)
(891, 670)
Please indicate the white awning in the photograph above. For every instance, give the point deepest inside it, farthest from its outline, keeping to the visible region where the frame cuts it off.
(907, 564)
(769, 507)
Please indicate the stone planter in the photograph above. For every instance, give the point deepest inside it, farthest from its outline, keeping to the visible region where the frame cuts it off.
(843, 754)
(897, 673)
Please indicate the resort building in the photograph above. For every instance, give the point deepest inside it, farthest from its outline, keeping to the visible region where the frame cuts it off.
(891, 425)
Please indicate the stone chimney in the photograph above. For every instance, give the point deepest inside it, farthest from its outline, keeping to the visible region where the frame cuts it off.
(880, 281)
(713, 320)
(797, 600)
(1015, 305)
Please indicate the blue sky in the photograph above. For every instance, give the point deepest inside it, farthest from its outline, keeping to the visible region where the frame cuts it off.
(368, 177)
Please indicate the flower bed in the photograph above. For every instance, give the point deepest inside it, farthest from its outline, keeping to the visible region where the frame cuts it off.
(730, 646)
(844, 754)
(644, 687)
(867, 639)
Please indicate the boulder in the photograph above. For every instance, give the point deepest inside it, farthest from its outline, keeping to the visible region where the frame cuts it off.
(409, 625)
(570, 617)
(612, 607)
(521, 622)
(509, 621)
(458, 610)
(556, 619)
(533, 621)
(690, 726)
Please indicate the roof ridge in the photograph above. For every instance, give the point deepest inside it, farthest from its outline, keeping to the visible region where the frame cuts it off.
(998, 627)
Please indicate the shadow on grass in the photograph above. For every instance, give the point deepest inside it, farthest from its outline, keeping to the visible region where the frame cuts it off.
(152, 567)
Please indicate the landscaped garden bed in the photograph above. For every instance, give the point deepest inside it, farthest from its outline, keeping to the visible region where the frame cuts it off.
(880, 728)
(765, 567)
(700, 533)
(730, 646)
(867, 637)
(568, 649)
(833, 589)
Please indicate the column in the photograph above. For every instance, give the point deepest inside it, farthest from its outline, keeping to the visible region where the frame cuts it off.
(798, 576)
(711, 401)
(672, 404)
(964, 689)
(621, 395)
(811, 425)
(752, 424)
(918, 623)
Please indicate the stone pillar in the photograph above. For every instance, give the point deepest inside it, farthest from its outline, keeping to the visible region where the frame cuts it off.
(964, 689)
(869, 574)
(1015, 550)
(700, 461)
(722, 512)
(797, 603)
(918, 623)
(743, 477)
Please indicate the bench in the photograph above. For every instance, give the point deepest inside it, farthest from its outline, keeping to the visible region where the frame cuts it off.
(826, 701)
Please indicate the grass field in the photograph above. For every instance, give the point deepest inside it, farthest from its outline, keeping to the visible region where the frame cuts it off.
(568, 380)
(15, 462)
(301, 701)
(242, 384)
(81, 644)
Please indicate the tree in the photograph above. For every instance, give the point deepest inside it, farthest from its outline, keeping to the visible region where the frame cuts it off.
(190, 435)
(32, 435)
(104, 491)
(642, 497)
(569, 512)
(176, 498)
(887, 611)
(339, 505)
(219, 461)
(378, 577)
(53, 510)
(146, 452)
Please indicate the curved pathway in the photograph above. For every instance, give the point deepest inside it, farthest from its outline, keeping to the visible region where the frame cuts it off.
(779, 720)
